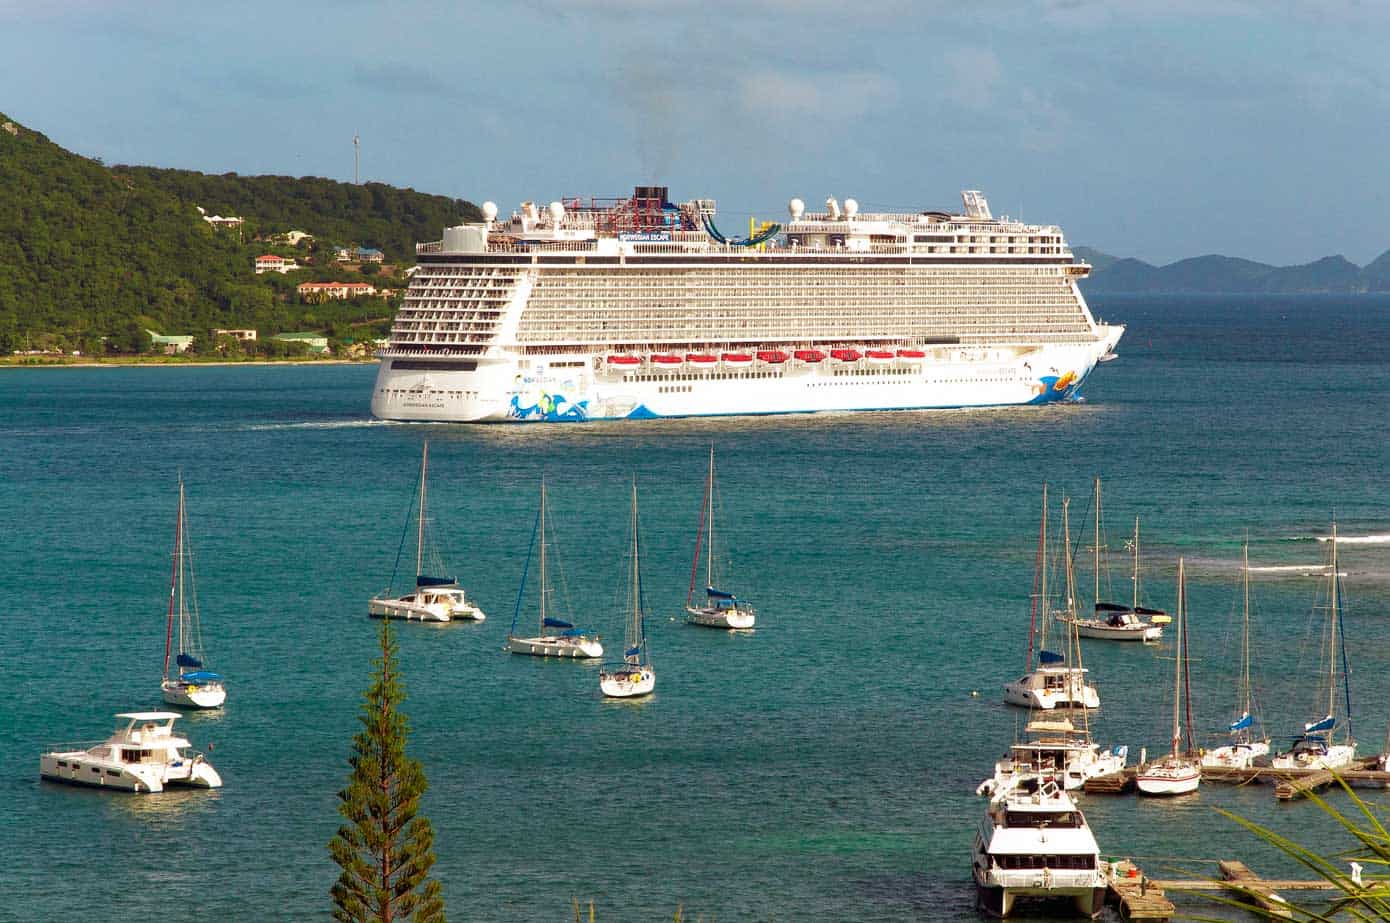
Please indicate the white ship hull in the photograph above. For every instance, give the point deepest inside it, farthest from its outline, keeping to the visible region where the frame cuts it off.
(497, 389)
(720, 618)
(555, 647)
(1169, 777)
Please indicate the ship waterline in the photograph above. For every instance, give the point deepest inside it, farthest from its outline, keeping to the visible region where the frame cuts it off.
(632, 311)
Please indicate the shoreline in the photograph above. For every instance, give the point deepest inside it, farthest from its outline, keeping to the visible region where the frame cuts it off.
(56, 362)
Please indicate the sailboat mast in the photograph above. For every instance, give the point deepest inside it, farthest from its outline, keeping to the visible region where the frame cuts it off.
(420, 519)
(634, 628)
(709, 492)
(182, 545)
(1076, 675)
(1135, 577)
(1178, 655)
(1096, 550)
(1332, 643)
(173, 581)
(543, 583)
(1245, 633)
(1040, 587)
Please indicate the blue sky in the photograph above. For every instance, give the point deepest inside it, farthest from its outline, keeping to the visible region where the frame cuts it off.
(1154, 129)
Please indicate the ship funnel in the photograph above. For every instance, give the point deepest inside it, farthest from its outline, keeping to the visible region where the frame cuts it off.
(851, 208)
(833, 208)
(796, 208)
(489, 211)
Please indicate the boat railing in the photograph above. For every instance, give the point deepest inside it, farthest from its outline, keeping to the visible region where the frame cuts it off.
(76, 745)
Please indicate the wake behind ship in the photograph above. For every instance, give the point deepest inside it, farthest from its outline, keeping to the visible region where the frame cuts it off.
(638, 308)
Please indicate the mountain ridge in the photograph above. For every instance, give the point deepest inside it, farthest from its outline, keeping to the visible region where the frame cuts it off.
(1216, 274)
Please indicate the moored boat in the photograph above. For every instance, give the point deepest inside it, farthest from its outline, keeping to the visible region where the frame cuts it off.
(1180, 771)
(555, 636)
(142, 756)
(634, 675)
(721, 609)
(1116, 621)
(187, 682)
(1034, 843)
(1245, 746)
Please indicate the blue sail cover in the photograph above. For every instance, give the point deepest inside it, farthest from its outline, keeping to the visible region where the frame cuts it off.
(549, 622)
(1325, 724)
(1243, 722)
(423, 580)
(201, 676)
(188, 660)
(1049, 657)
(632, 651)
(712, 593)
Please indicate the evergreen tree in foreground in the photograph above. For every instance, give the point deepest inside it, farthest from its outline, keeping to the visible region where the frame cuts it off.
(386, 848)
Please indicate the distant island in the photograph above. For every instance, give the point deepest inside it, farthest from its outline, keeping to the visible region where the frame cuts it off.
(1229, 275)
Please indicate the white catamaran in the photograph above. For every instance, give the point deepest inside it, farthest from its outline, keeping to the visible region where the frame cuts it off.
(186, 682)
(722, 609)
(1327, 743)
(633, 676)
(1180, 771)
(435, 598)
(556, 637)
(1245, 745)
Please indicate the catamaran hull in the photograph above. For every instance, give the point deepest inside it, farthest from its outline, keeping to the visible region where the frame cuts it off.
(719, 618)
(183, 695)
(1338, 757)
(1235, 756)
(546, 647)
(1048, 700)
(71, 769)
(410, 612)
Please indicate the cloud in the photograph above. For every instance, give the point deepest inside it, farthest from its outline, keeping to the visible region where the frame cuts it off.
(973, 75)
(835, 95)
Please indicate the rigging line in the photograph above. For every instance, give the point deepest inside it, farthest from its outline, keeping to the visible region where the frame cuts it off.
(405, 531)
(525, 569)
(699, 535)
(173, 580)
(1037, 563)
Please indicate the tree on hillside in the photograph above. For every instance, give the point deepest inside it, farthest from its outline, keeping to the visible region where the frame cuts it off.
(386, 848)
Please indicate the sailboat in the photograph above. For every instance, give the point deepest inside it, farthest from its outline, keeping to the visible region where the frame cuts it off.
(1318, 747)
(186, 681)
(1245, 746)
(1116, 621)
(1179, 772)
(633, 676)
(434, 599)
(555, 637)
(1054, 682)
(721, 609)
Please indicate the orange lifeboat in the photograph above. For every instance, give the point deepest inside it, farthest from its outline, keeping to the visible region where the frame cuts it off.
(702, 359)
(667, 359)
(736, 360)
(846, 355)
(911, 354)
(878, 355)
(809, 355)
(773, 356)
(624, 360)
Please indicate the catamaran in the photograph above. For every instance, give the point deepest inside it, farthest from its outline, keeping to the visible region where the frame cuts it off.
(556, 637)
(1245, 745)
(722, 609)
(1327, 743)
(1116, 621)
(143, 755)
(1034, 842)
(1054, 682)
(1055, 749)
(435, 598)
(186, 681)
(633, 676)
(1180, 771)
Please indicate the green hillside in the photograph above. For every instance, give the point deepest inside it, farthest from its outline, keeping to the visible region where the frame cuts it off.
(91, 251)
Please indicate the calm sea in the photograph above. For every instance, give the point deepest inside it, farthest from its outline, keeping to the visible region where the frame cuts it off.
(821, 767)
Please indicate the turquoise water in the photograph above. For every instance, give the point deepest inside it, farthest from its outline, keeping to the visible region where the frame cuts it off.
(820, 767)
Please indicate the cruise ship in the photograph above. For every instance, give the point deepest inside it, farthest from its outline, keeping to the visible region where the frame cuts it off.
(639, 308)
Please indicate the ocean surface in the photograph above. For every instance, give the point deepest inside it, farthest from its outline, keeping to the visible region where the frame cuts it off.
(820, 767)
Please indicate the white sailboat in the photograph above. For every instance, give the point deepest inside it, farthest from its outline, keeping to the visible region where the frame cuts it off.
(1327, 743)
(1116, 621)
(186, 681)
(1054, 682)
(722, 609)
(1245, 745)
(1177, 773)
(555, 637)
(434, 598)
(633, 676)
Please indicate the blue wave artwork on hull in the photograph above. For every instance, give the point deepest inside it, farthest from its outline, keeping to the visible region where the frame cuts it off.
(1052, 388)
(549, 408)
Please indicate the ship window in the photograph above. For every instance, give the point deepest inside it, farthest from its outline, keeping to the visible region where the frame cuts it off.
(113, 772)
(96, 770)
(62, 764)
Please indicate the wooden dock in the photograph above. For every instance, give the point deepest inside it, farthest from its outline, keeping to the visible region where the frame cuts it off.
(1289, 783)
(1135, 896)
